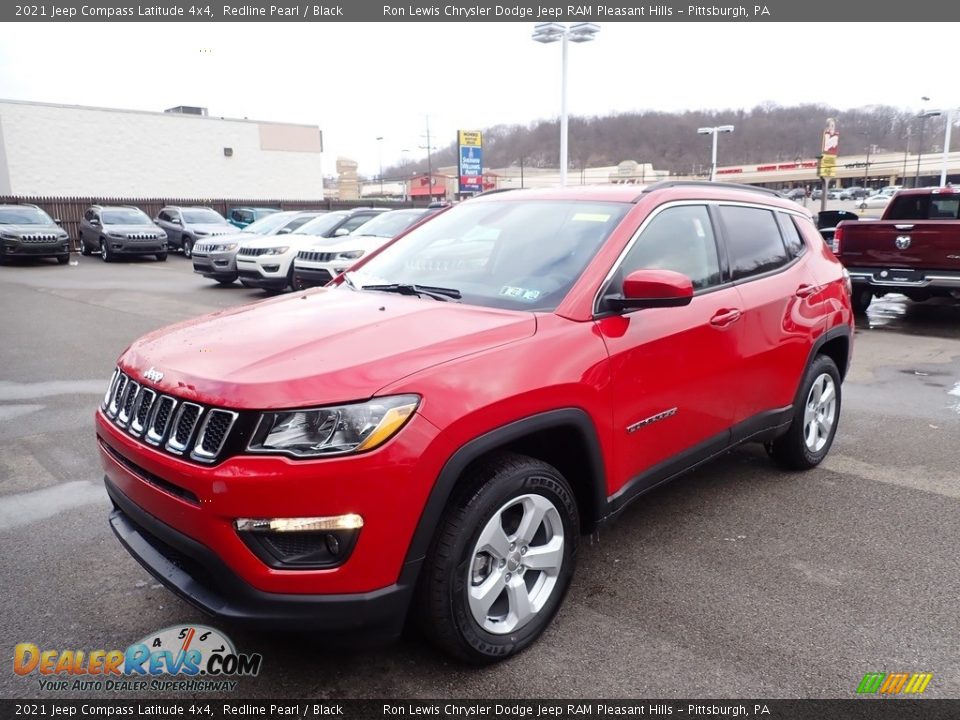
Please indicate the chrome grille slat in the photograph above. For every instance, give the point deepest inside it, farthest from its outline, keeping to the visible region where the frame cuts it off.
(252, 252)
(117, 394)
(160, 419)
(141, 410)
(130, 393)
(213, 434)
(183, 426)
(312, 256)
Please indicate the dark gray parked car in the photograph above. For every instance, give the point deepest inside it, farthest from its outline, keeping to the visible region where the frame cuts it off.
(186, 226)
(27, 231)
(217, 258)
(114, 231)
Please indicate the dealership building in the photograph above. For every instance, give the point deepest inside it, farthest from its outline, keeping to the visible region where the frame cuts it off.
(49, 150)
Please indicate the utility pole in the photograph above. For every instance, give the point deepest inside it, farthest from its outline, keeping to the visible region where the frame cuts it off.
(429, 165)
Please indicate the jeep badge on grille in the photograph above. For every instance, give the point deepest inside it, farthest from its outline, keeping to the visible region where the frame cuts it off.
(153, 375)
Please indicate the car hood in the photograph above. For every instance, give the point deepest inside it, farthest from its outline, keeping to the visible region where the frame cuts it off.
(285, 240)
(32, 229)
(213, 228)
(151, 229)
(355, 242)
(320, 347)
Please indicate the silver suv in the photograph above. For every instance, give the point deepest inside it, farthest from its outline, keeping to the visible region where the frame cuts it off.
(217, 258)
(186, 226)
(27, 231)
(114, 230)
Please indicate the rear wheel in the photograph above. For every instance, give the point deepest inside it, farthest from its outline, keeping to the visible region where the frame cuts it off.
(862, 297)
(502, 560)
(815, 418)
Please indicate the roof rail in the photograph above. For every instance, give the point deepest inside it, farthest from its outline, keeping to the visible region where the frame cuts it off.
(707, 183)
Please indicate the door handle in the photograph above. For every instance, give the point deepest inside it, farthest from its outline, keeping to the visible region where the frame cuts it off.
(806, 290)
(723, 318)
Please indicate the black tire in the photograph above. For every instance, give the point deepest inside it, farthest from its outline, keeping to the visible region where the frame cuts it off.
(106, 254)
(63, 259)
(862, 297)
(793, 450)
(186, 244)
(84, 250)
(486, 491)
(161, 257)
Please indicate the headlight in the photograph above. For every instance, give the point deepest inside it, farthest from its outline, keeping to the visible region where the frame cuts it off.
(276, 250)
(8, 236)
(349, 255)
(332, 430)
(200, 232)
(225, 248)
(117, 235)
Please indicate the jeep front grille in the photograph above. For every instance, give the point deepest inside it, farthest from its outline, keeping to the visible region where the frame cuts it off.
(314, 256)
(253, 252)
(39, 238)
(176, 426)
(142, 236)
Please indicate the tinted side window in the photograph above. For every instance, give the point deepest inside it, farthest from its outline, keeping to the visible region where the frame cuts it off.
(297, 222)
(164, 215)
(88, 215)
(753, 241)
(791, 235)
(679, 239)
(355, 222)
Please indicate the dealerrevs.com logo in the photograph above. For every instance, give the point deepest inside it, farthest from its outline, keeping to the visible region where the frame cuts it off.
(179, 658)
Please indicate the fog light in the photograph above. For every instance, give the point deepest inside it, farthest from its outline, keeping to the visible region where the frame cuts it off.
(351, 521)
(271, 268)
(301, 543)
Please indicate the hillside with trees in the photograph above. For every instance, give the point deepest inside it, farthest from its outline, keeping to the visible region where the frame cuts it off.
(767, 133)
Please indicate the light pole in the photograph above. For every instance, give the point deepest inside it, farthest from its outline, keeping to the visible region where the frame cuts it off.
(715, 131)
(946, 148)
(380, 153)
(923, 118)
(550, 33)
(866, 165)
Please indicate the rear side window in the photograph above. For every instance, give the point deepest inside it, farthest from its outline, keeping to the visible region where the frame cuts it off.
(791, 235)
(923, 207)
(679, 239)
(753, 241)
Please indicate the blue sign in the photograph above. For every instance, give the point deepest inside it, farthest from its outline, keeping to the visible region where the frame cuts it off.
(471, 168)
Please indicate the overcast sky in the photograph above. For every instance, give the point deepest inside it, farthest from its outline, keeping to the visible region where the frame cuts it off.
(358, 81)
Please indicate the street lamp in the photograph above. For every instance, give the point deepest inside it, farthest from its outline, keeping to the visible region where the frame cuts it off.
(946, 148)
(380, 153)
(552, 32)
(715, 131)
(923, 117)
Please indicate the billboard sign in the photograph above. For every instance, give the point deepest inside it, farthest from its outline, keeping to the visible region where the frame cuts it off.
(470, 156)
(831, 142)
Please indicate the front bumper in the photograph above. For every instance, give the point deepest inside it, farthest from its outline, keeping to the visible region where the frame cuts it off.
(304, 277)
(215, 265)
(892, 279)
(15, 248)
(136, 247)
(197, 575)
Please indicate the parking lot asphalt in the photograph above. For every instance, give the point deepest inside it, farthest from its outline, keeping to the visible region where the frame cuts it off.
(737, 580)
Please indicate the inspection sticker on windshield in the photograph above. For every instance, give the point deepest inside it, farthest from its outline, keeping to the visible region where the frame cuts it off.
(591, 217)
(519, 293)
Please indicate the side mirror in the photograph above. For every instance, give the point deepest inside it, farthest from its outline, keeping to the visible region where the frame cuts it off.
(176, 221)
(95, 222)
(58, 221)
(653, 289)
(284, 231)
(340, 232)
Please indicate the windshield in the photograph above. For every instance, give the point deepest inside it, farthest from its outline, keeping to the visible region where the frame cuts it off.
(270, 224)
(322, 225)
(203, 216)
(125, 216)
(389, 224)
(516, 255)
(24, 216)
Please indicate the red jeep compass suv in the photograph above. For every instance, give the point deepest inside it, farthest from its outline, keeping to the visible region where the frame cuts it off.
(432, 433)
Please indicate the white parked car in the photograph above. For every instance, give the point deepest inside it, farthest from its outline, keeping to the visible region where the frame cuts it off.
(268, 263)
(879, 200)
(320, 263)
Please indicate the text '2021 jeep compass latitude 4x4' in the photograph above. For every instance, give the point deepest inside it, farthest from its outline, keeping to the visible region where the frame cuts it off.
(432, 434)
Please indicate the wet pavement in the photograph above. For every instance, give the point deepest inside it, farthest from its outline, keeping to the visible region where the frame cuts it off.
(738, 580)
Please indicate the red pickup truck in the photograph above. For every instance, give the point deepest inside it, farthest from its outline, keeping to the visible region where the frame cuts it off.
(914, 249)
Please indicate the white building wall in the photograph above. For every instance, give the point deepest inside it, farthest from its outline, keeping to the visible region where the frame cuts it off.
(56, 150)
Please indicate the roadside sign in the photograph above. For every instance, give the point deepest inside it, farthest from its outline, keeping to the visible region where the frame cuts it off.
(470, 143)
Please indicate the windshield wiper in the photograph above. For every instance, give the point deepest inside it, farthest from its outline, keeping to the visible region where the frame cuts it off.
(437, 293)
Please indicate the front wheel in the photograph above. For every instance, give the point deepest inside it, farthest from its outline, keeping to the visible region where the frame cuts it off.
(187, 245)
(816, 415)
(106, 254)
(161, 257)
(63, 259)
(502, 561)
